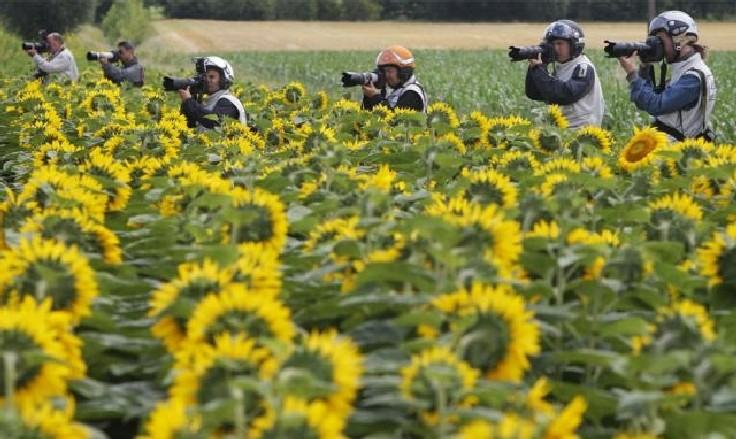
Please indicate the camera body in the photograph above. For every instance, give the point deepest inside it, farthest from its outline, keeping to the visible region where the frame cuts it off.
(353, 79)
(652, 50)
(195, 83)
(521, 53)
(39, 46)
(112, 56)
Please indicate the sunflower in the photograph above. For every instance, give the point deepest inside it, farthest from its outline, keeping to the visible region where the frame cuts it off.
(596, 167)
(236, 309)
(265, 224)
(171, 418)
(544, 229)
(73, 227)
(43, 365)
(381, 180)
(294, 91)
(558, 165)
(511, 336)
(417, 383)
(500, 238)
(631, 435)
(52, 421)
(681, 204)
(45, 268)
(346, 106)
(321, 101)
(535, 398)
(105, 166)
(598, 137)
(442, 112)
(551, 183)
(334, 230)
(50, 152)
(77, 191)
(695, 153)
(565, 424)
(479, 121)
(300, 418)
(259, 271)
(518, 161)
(173, 302)
(333, 359)
(717, 257)
(205, 374)
(557, 117)
(587, 237)
(637, 153)
(491, 187)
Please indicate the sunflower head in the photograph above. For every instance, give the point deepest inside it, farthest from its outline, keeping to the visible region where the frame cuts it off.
(637, 153)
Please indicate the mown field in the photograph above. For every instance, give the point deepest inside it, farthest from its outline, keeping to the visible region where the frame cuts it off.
(477, 272)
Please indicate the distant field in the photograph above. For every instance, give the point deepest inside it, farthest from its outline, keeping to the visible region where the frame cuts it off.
(209, 35)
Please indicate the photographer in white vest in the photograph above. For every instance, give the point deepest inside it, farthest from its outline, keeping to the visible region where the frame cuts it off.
(219, 102)
(682, 107)
(573, 84)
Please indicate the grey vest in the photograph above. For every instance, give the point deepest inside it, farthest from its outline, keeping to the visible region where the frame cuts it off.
(211, 100)
(411, 85)
(696, 120)
(588, 110)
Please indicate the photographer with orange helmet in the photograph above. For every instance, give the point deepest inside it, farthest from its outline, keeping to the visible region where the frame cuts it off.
(397, 86)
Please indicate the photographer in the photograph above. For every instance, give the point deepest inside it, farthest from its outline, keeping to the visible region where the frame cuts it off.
(130, 71)
(218, 77)
(401, 89)
(681, 108)
(60, 62)
(574, 84)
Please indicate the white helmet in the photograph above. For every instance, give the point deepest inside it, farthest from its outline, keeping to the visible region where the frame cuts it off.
(679, 25)
(227, 75)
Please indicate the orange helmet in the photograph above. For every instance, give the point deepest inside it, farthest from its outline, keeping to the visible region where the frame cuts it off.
(395, 55)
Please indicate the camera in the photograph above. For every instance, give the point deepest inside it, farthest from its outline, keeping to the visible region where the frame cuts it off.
(652, 50)
(38, 46)
(521, 53)
(195, 83)
(352, 79)
(111, 55)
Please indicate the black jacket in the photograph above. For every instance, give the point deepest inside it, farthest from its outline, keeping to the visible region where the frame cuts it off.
(541, 86)
(195, 112)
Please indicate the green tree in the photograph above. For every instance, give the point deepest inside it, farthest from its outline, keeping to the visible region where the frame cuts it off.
(127, 20)
(27, 17)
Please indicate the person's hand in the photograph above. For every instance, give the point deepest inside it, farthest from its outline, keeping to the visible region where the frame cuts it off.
(184, 94)
(31, 52)
(103, 60)
(627, 63)
(536, 61)
(370, 90)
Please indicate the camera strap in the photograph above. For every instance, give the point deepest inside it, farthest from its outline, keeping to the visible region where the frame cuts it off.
(662, 77)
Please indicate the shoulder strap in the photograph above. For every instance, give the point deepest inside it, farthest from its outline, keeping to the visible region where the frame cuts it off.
(703, 93)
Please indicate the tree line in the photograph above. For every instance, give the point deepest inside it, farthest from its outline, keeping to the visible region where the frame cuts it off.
(27, 16)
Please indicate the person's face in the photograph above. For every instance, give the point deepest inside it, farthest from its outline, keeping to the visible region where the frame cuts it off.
(562, 50)
(212, 80)
(669, 46)
(391, 74)
(125, 54)
(54, 44)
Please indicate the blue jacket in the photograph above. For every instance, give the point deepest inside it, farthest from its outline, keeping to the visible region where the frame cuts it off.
(680, 95)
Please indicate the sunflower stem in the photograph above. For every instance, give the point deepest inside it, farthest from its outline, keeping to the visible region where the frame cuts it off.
(439, 397)
(239, 415)
(9, 361)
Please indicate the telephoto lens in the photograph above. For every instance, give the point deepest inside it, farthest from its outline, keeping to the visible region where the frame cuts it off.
(109, 55)
(521, 53)
(352, 79)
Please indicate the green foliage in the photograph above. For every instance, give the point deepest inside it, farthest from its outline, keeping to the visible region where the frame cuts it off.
(127, 20)
(28, 17)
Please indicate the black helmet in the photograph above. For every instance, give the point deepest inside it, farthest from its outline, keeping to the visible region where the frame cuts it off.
(566, 30)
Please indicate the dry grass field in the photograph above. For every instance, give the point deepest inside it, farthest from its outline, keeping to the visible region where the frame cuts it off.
(208, 35)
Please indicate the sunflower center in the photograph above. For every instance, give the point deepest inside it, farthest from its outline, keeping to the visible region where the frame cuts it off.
(189, 297)
(313, 375)
(30, 357)
(638, 151)
(235, 322)
(424, 386)
(48, 278)
(486, 193)
(63, 229)
(252, 224)
(485, 342)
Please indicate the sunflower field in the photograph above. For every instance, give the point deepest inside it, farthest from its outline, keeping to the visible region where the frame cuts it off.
(327, 272)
